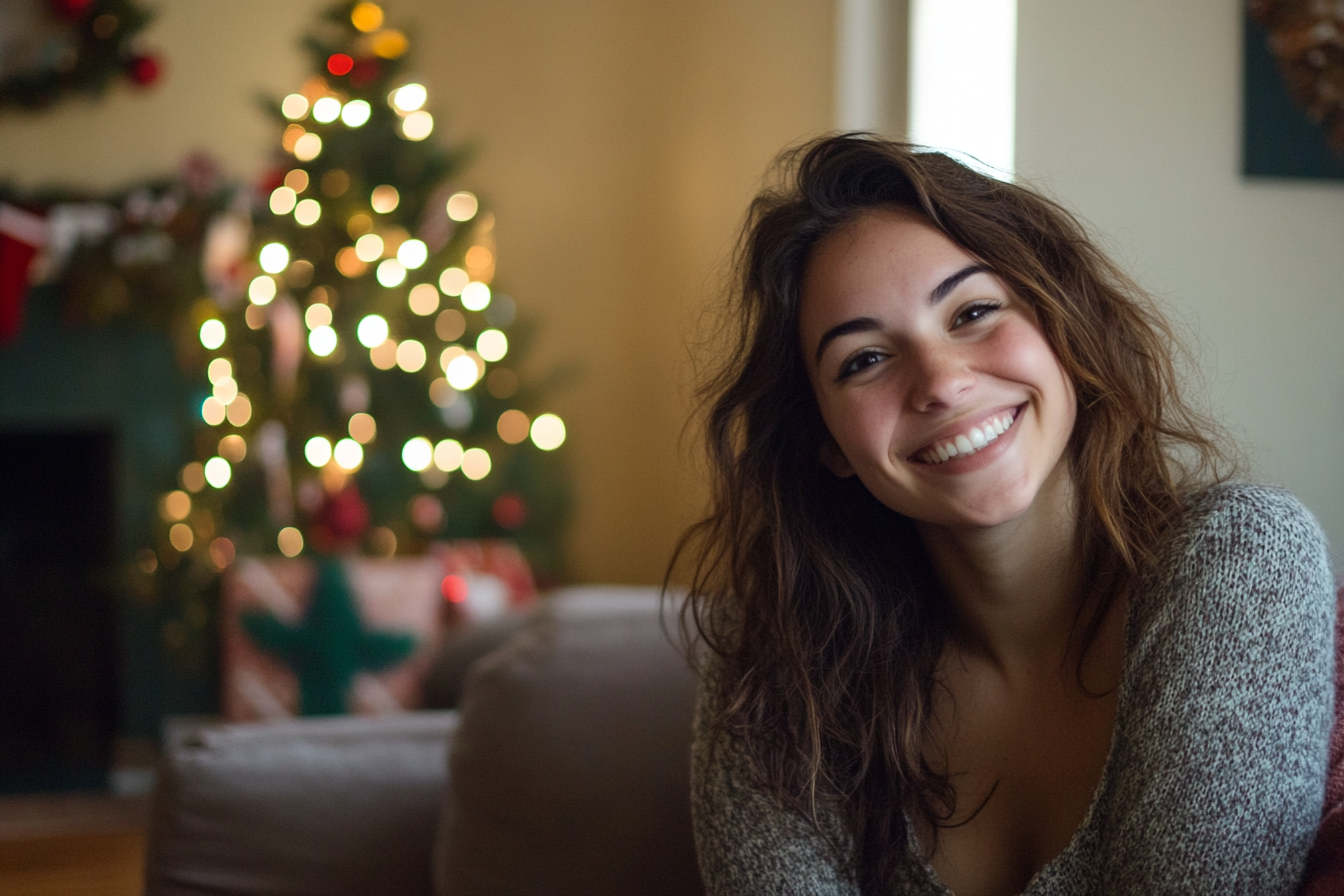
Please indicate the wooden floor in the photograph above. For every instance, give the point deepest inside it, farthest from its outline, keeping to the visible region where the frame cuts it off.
(72, 845)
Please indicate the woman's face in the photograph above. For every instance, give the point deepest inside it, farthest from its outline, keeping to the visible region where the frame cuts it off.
(935, 382)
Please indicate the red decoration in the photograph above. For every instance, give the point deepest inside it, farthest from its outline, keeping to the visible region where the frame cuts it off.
(339, 64)
(21, 235)
(509, 511)
(73, 10)
(144, 70)
(455, 589)
(364, 72)
(340, 522)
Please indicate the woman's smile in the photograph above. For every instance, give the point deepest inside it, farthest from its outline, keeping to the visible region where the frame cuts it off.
(934, 379)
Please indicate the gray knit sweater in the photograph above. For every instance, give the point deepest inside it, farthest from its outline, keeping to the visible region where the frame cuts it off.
(1216, 772)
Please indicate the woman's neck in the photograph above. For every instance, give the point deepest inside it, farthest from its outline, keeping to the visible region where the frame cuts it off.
(1014, 588)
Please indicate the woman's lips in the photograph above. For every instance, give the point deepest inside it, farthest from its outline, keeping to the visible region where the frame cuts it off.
(969, 442)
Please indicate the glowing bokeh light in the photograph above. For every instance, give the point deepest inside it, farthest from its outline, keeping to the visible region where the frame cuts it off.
(317, 451)
(261, 290)
(372, 330)
(389, 43)
(291, 136)
(290, 541)
(322, 341)
(413, 253)
(222, 552)
(307, 147)
(294, 106)
(441, 394)
(461, 373)
(548, 432)
(409, 97)
(363, 428)
(213, 333)
(339, 64)
(462, 206)
(475, 463)
(450, 324)
(283, 200)
(193, 476)
(297, 180)
(448, 455)
(358, 225)
(274, 257)
(317, 315)
(369, 247)
(513, 426)
(348, 454)
(475, 296)
(417, 454)
(327, 109)
(348, 262)
(218, 472)
(308, 212)
(416, 126)
(384, 199)
(240, 410)
(180, 537)
(174, 506)
(411, 355)
(213, 411)
(218, 369)
(478, 260)
(384, 354)
(356, 113)
(391, 273)
(233, 448)
(367, 17)
(255, 315)
(423, 299)
(226, 390)
(492, 345)
(452, 281)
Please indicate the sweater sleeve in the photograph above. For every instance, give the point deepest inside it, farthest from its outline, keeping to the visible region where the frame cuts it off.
(749, 842)
(1221, 744)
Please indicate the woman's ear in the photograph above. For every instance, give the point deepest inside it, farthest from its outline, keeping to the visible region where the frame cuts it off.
(833, 459)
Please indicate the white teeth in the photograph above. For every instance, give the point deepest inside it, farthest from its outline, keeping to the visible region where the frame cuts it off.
(969, 442)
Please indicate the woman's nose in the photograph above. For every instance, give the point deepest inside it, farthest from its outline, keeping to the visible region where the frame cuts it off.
(939, 377)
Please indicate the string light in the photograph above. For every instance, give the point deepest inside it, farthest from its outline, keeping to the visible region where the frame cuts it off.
(369, 247)
(461, 373)
(391, 273)
(261, 290)
(475, 463)
(462, 206)
(290, 541)
(218, 472)
(475, 296)
(423, 299)
(372, 330)
(297, 180)
(408, 98)
(322, 341)
(290, 138)
(348, 262)
(442, 394)
(274, 258)
(358, 225)
(180, 537)
(193, 477)
(294, 106)
(355, 113)
(492, 345)
(240, 410)
(226, 390)
(255, 316)
(416, 126)
(222, 552)
(233, 447)
(412, 253)
(174, 506)
(367, 17)
(218, 370)
(317, 451)
(513, 426)
(452, 281)
(348, 455)
(213, 333)
(384, 355)
(385, 198)
(448, 455)
(389, 44)
(478, 260)
(308, 212)
(548, 432)
(327, 109)
(417, 454)
(317, 315)
(283, 200)
(213, 411)
(339, 64)
(307, 147)
(450, 324)
(411, 355)
(363, 428)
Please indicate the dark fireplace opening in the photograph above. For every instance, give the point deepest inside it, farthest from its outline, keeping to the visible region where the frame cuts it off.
(58, 687)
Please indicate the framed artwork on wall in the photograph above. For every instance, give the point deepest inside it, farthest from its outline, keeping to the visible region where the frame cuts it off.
(1293, 90)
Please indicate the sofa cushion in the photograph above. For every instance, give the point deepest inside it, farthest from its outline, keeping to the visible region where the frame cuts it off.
(569, 771)
(305, 807)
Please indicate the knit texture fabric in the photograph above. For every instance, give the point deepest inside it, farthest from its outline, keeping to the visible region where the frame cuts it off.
(1216, 773)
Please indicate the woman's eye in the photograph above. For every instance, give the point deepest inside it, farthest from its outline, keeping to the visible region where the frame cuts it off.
(977, 311)
(863, 359)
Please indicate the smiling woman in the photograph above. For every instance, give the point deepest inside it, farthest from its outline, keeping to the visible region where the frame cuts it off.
(977, 611)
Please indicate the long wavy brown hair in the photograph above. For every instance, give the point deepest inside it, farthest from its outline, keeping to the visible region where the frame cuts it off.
(818, 602)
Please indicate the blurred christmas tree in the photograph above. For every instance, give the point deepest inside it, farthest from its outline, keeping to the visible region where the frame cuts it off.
(357, 355)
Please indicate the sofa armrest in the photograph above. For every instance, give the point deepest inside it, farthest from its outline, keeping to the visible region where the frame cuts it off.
(330, 806)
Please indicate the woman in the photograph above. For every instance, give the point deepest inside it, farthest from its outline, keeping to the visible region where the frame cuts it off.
(979, 613)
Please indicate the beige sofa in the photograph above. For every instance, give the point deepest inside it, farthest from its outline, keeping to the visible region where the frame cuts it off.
(564, 770)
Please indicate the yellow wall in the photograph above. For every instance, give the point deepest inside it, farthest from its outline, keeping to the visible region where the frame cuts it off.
(618, 143)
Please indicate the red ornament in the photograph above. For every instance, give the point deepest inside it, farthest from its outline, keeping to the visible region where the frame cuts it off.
(340, 522)
(509, 511)
(365, 72)
(454, 589)
(73, 10)
(339, 64)
(144, 70)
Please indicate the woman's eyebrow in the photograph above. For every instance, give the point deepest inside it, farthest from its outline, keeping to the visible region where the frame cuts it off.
(857, 325)
(942, 290)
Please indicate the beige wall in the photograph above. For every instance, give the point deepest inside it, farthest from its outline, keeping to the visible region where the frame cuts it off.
(1130, 113)
(618, 143)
